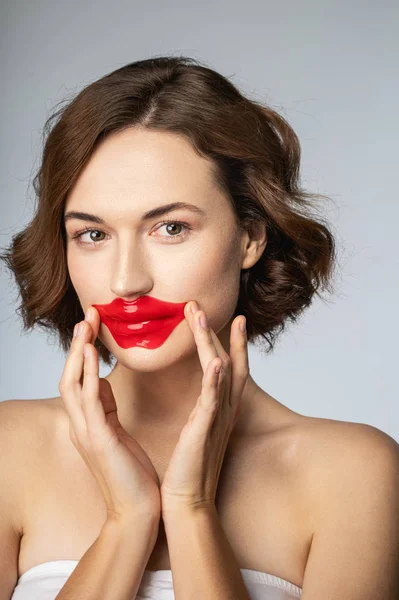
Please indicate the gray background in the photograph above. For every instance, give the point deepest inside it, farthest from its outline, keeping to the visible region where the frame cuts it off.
(331, 69)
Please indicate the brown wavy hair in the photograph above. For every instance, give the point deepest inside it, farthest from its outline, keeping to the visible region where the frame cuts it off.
(256, 159)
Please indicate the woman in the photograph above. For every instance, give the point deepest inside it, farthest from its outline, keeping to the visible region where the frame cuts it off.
(165, 478)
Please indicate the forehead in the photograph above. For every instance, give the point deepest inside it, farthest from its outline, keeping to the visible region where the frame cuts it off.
(146, 163)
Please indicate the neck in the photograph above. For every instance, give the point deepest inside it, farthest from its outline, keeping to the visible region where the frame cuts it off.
(163, 400)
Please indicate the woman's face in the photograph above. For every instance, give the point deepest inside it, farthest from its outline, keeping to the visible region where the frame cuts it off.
(129, 174)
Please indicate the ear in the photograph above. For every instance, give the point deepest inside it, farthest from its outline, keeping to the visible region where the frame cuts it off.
(253, 243)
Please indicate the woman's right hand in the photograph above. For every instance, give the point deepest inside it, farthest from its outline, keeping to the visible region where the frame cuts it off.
(123, 470)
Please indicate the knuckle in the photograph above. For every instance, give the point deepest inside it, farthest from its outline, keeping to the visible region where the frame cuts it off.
(75, 348)
(208, 341)
(226, 360)
(243, 372)
(211, 406)
(64, 386)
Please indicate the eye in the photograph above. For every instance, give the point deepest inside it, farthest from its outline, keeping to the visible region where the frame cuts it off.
(179, 224)
(78, 235)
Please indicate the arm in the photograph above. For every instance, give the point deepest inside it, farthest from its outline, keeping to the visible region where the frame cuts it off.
(11, 527)
(355, 548)
(202, 561)
(112, 568)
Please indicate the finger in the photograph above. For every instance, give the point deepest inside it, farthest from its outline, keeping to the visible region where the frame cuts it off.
(203, 338)
(92, 316)
(70, 385)
(91, 403)
(209, 402)
(221, 352)
(218, 344)
(75, 366)
(239, 361)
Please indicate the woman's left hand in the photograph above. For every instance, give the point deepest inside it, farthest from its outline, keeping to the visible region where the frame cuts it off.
(192, 475)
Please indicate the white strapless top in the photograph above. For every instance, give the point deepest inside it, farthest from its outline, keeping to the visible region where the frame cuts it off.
(44, 582)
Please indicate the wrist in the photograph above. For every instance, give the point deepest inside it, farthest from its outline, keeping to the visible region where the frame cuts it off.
(133, 538)
(126, 525)
(178, 512)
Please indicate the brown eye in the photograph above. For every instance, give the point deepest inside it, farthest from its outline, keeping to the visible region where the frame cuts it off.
(93, 237)
(89, 232)
(172, 226)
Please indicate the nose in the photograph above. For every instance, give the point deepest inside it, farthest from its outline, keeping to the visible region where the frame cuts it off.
(130, 275)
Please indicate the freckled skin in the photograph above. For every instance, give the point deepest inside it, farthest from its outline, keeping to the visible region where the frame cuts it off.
(130, 173)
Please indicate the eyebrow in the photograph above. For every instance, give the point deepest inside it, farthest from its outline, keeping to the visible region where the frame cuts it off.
(151, 214)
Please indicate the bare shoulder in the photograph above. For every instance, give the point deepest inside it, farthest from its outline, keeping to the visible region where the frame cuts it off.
(340, 445)
(342, 459)
(24, 436)
(27, 416)
(350, 473)
(340, 436)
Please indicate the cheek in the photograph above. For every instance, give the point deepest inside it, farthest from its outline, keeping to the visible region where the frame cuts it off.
(85, 284)
(207, 270)
(79, 281)
(213, 280)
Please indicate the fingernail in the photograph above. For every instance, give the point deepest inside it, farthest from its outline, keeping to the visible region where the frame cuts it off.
(80, 329)
(194, 308)
(75, 330)
(88, 314)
